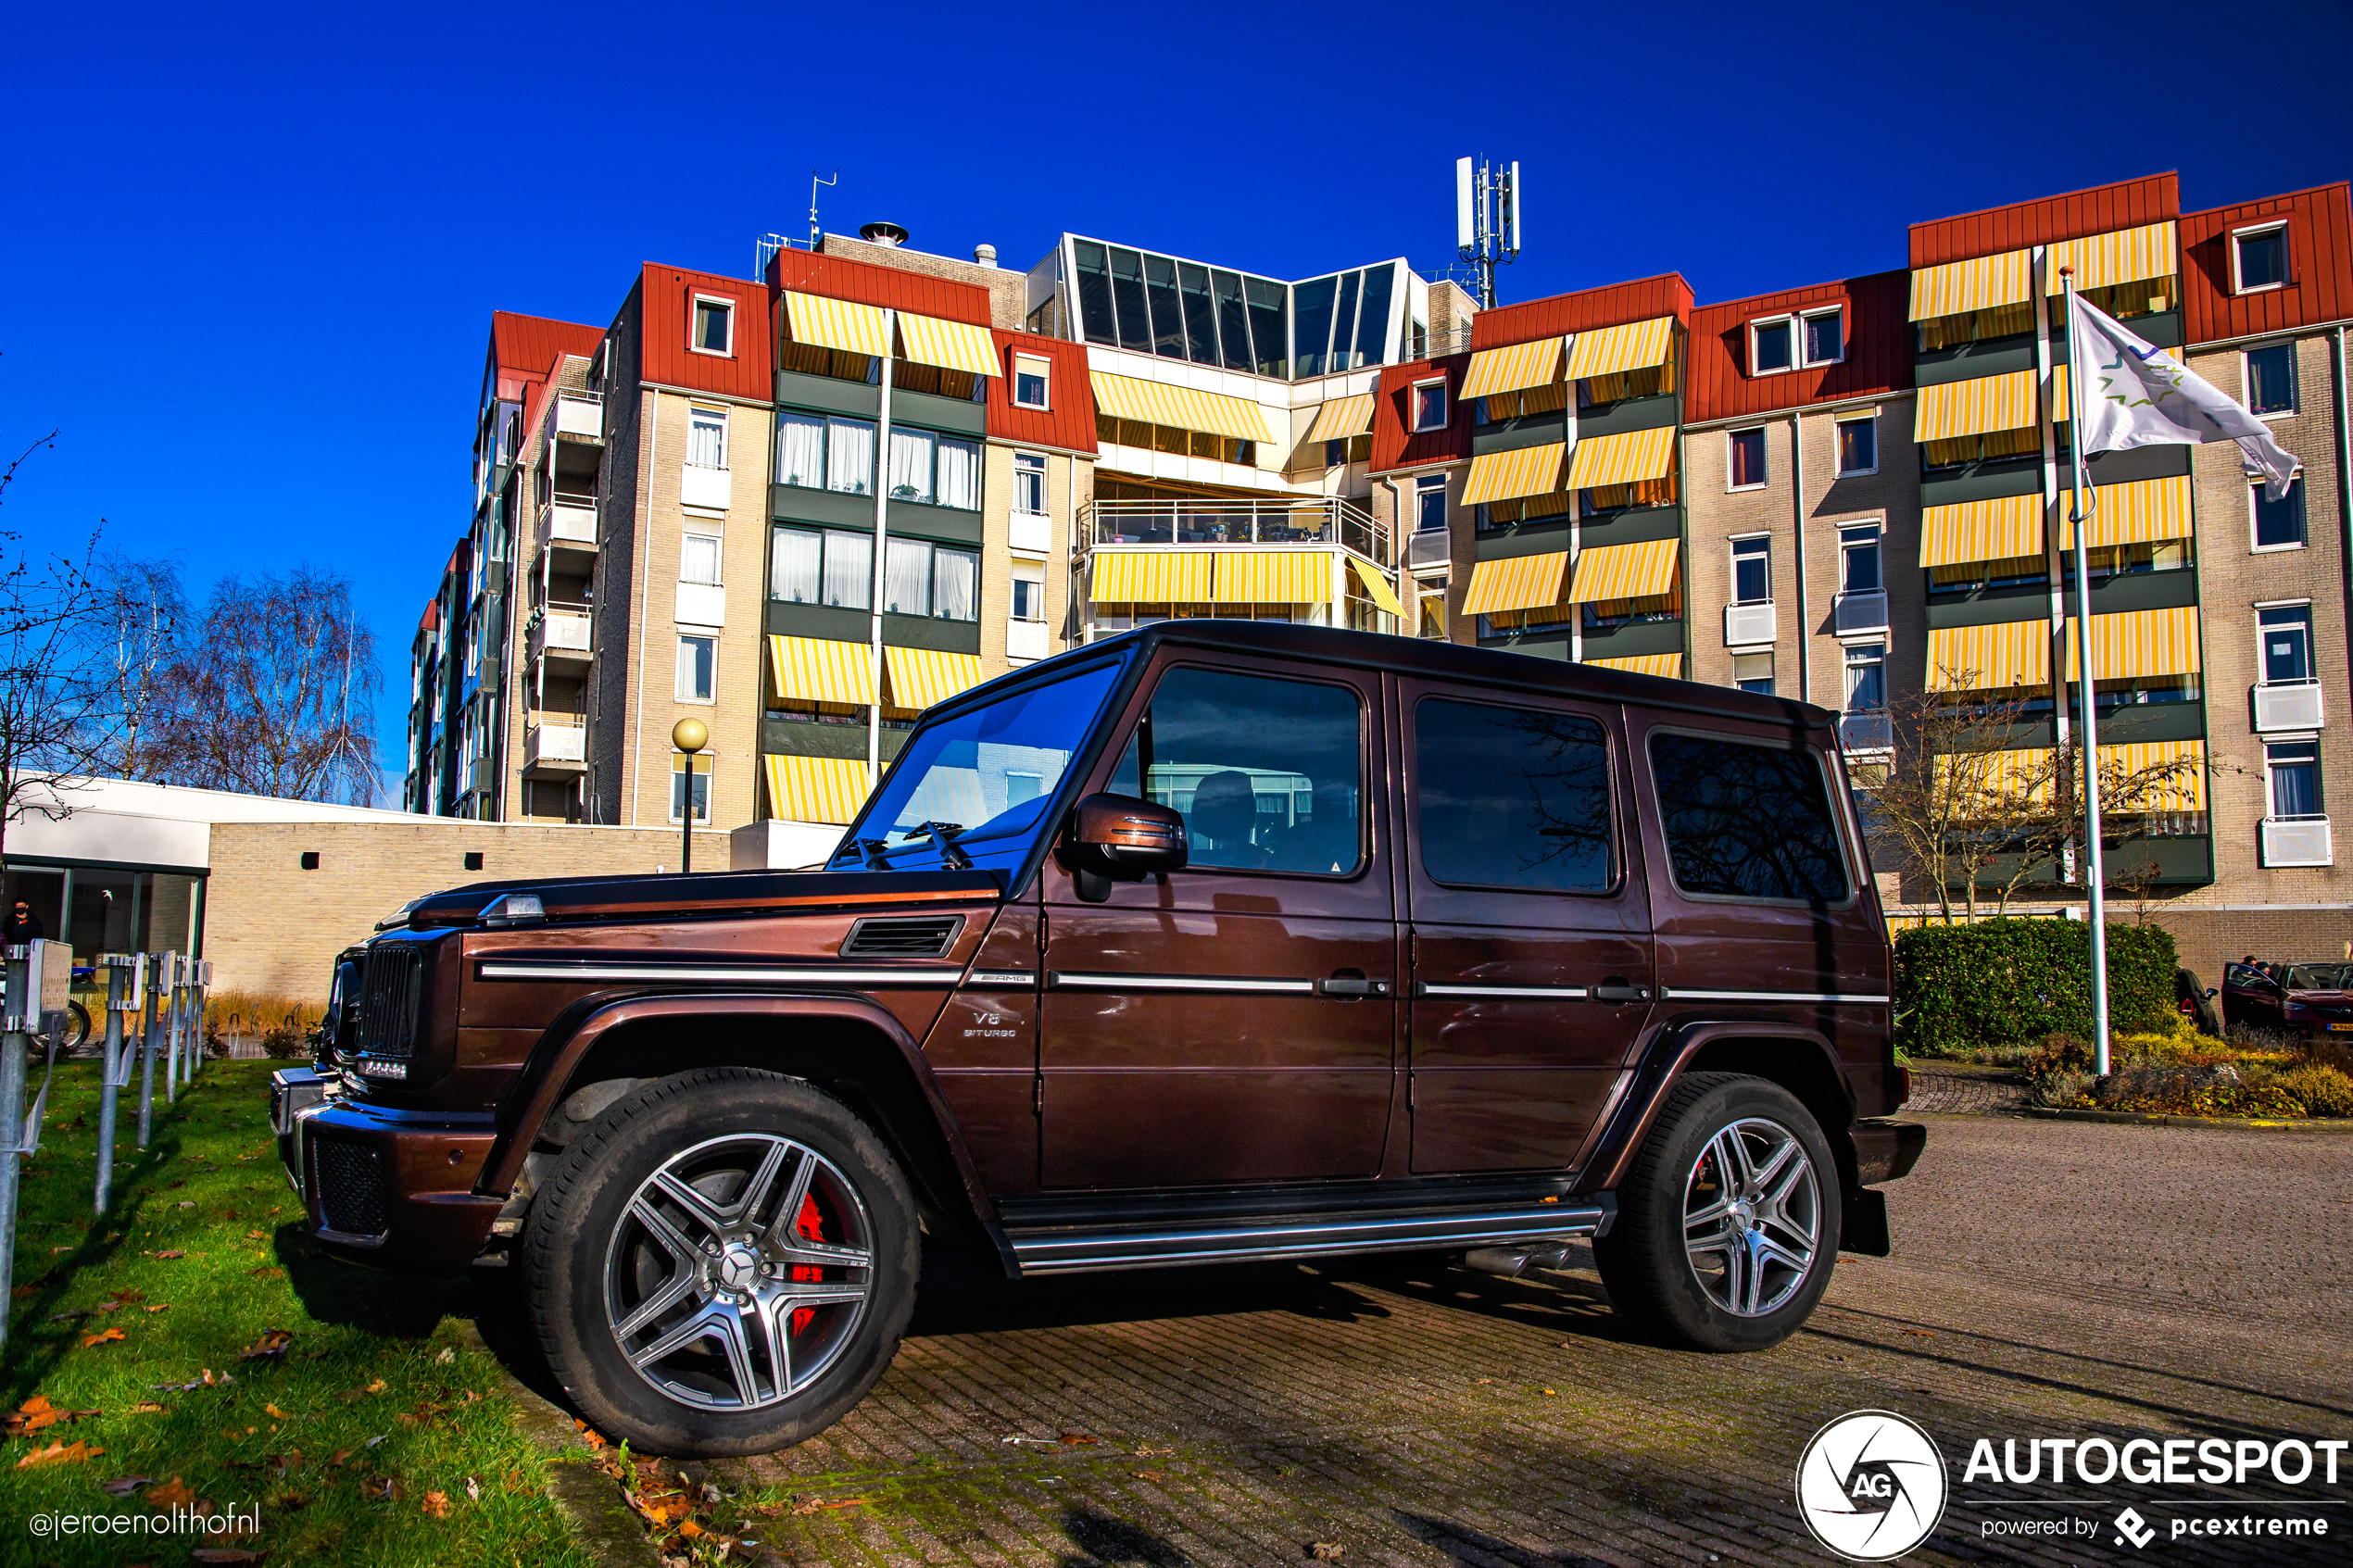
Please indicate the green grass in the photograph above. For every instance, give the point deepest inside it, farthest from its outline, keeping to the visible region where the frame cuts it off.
(300, 1436)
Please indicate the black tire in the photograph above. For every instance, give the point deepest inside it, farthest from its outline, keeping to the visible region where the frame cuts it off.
(77, 1026)
(595, 1258)
(1652, 1275)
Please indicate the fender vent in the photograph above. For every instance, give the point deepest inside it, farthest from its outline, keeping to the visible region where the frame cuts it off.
(351, 1188)
(922, 936)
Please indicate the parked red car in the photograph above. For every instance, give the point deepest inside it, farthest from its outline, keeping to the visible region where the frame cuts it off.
(2303, 998)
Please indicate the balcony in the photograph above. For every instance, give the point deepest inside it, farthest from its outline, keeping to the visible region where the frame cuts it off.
(1025, 639)
(1030, 532)
(560, 637)
(568, 522)
(1864, 732)
(2287, 705)
(556, 749)
(1304, 519)
(1864, 611)
(699, 486)
(701, 604)
(2296, 841)
(1429, 546)
(1749, 624)
(578, 413)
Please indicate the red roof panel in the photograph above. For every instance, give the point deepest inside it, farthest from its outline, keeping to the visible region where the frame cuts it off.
(1068, 420)
(2102, 209)
(1393, 446)
(1612, 306)
(666, 298)
(864, 283)
(1878, 349)
(2320, 260)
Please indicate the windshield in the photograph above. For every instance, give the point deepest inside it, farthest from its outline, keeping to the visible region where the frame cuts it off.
(2316, 977)
(975, 786)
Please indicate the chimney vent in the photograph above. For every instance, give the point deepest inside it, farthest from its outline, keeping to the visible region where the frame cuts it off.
(985, 254)
(883, 234)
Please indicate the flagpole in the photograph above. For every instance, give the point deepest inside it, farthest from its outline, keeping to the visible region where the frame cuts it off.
(2088, 689)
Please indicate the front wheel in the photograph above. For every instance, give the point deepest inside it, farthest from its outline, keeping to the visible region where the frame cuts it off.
(723, 1265)
(1727, 1220)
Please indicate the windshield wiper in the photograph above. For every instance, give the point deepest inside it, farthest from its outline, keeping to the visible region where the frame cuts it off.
(943, 834)
(877, 852)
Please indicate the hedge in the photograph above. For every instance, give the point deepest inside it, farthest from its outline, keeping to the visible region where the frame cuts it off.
(2012, 982)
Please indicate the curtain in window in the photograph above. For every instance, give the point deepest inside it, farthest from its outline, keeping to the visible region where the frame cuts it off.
(706, 441)
(801, 450)
(698, 560)
(850, 455)
(910, 465)
(795, 565)
(907, 577)
(2296, 788)
(849, 567)
(960, 475)
(955, 586)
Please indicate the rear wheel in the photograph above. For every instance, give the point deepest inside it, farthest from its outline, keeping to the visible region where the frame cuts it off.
(1727, 1220)
(723, 1265)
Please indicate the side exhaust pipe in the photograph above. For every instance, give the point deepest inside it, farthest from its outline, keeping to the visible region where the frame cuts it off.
(1510, 1262)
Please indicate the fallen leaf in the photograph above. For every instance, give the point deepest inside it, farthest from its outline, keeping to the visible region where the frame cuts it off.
(436, 1505)
(382, 1487)
(124, 1486)
(159, 1307)
(341, 1454)
(269, 1273)
(187, 1203)
(1146, 1451)
(272, 1344)
(58, 1453)
(146, 1407)
(818, 1505)
(377, 1387)
(446, 1356)
(175, 1252)
(1922, 1333)
(1078, 1439)
(23, 1292)
(474, 1490)
(255, 1235)
(274, 1411)
(100, 1338)
(224, 1554)
(1552, 1390)
(1326, 1551)
(174, 1493)
(1148, 1474)
(409, 1418)
(689, 1529)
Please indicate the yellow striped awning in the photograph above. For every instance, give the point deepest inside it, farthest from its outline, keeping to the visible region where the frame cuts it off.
(2136, 513)
(1668, 664)
(2127, 255)
(837, 323)
(926, 677)
(951, 345)
(1624, 571)
(2138, 643)
(2062, 407)
(1152, 577)
(1946, 409)
(1980, 284)
(1511, 369)
(1179, 407)
(1342, 417)
(2154, 775)
(1516, 583)
(1622, 459)
(1996, 782)
(2000, 529)
(816, 789)
(1506, 476)
(1988, 658)
(1271, 577)
(823, 669)
(1377, 587)
(1635, 346)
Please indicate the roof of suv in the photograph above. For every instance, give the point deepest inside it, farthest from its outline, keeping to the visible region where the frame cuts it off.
(1426, 656)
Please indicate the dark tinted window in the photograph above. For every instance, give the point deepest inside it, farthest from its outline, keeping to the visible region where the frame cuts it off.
(1505, 798)
(1745, 821)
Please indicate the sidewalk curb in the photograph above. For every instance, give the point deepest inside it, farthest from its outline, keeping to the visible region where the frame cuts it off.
(2263, 1124)
(590, 1504)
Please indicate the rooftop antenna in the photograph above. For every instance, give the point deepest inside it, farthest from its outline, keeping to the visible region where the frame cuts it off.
(1487, 202)
(769, 244)
(816, 233)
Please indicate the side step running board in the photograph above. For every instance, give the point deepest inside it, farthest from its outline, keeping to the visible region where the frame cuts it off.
(1061, 1249)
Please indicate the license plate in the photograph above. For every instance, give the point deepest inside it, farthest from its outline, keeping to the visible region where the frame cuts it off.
(2341, 1028)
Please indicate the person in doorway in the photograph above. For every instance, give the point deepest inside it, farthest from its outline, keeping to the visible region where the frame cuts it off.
(22, 925)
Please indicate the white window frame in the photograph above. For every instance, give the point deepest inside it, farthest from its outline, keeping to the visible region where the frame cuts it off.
(2295, 377)
(1797, 348)
(2279, 225)
(1013, 391)
(718, 556)
(695, 302)
(1022, 573)
(2271, 796)
(1771, 676)
(1028, 463)
(1784, 320)
(1878, 542)
(1837, 448)
(2254, 489)
(1422, 490)
(1732, 556)
(1764, 460)
(694, 413)
(678, 686)
(2262, 654)
(1874, 656)
(1445, 405)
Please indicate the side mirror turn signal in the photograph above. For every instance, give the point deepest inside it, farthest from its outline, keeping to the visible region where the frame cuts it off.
(1119, 838)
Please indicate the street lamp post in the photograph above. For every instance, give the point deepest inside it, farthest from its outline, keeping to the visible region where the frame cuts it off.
(689, 736)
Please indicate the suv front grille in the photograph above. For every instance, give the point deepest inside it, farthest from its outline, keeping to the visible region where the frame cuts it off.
(391, 987)
(351, 1188)
(920, 936)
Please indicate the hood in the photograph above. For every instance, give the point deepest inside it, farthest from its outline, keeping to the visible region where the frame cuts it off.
(570, 898)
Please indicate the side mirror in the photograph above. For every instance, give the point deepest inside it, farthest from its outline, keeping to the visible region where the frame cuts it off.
(1119, 838)
(2212, 992)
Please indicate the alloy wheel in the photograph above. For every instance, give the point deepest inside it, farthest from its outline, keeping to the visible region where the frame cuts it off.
(1752, 1217)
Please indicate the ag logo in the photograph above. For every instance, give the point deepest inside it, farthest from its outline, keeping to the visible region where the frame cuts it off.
(1871, 1485)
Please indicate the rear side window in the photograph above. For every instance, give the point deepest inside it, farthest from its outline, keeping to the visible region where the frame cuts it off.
(1745, 821)
(1507, 797)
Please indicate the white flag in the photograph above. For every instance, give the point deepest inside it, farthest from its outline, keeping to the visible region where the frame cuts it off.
(2135, 395)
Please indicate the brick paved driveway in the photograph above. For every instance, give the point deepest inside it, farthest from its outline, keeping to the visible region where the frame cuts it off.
(2050, 1279)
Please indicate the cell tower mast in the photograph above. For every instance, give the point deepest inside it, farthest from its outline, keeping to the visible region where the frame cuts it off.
(1487, 217)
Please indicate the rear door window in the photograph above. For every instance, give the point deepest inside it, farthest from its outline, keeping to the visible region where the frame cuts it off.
(1512, 797)
(1745, 820)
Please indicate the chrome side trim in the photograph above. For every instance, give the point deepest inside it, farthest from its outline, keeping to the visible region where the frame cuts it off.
(1560, 993)
(1000, 977)
(1072, 1252)
(1063, 980)
(1678, 994)
(734, 975)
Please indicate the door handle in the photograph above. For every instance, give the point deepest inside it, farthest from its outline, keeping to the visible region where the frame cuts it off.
(1620, 993)
(1351, 985)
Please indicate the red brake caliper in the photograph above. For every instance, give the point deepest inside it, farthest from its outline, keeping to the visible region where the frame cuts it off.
(810, 1229)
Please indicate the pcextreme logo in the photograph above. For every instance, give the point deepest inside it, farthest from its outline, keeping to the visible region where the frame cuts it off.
(1871, 1485)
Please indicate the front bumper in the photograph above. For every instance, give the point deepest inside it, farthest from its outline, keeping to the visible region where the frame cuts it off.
(379, 1185)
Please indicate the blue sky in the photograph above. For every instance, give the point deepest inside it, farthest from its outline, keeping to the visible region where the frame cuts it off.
(249, 259)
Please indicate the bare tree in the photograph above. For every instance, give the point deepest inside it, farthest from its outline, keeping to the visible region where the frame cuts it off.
(274, 692)
(138, 618)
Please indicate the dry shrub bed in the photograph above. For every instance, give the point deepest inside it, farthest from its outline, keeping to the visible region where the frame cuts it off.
(2184, 1073)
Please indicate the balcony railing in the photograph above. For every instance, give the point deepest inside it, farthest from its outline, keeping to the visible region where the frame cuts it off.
(560, 633)
(1305, 519)
(569, 521)
(1427, 547)
(2296, 841)
(578, 412)
(699, 486)
(2287, 705)
(565, 746)
(1025, 639)
(1862, 612)
(1029, 532)
(1866, 732)
(1748, 623)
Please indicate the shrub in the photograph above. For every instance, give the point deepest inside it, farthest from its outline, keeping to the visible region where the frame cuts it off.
(2014, 982)
(2064, 1089)
(2324, 1050)
(2057, 1054)
(2321, 1090)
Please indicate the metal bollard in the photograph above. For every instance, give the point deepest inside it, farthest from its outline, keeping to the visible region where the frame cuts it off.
(117, 967)
(154, 972)
(29, 977)
(168, 984)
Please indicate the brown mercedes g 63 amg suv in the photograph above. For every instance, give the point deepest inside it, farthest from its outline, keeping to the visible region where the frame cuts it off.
(1212, 940)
